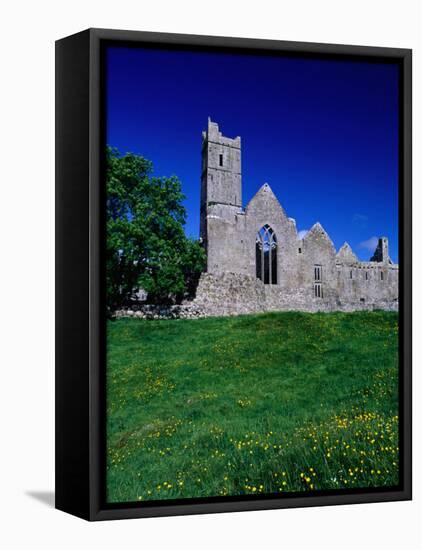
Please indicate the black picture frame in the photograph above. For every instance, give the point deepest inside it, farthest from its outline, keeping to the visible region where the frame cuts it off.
(80, 318)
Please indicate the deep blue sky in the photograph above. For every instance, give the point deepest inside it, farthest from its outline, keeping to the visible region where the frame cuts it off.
(322, 133)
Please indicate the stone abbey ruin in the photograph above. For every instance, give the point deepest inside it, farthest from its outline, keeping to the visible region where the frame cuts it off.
(256, 261)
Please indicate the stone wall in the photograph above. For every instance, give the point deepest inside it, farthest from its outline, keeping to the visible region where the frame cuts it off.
(188, 310)
(233, 294)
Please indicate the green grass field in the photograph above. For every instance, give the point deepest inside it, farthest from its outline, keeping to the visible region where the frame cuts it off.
(267, 403)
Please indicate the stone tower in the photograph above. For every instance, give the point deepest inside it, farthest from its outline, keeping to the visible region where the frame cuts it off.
(221, 180)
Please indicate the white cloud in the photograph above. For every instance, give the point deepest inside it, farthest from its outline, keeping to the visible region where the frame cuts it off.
(360, 220)
(301, 234)
(370, 244)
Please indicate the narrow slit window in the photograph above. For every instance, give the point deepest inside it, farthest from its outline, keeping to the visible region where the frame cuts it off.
(318, 290)
(382, 275)
(318, 273)
(318, 281)
(366, 275)
(300, 251)
(351, 274)
(221, 160)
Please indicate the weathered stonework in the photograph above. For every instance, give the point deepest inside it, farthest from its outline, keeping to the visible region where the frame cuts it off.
(309, 275)
(188, 310)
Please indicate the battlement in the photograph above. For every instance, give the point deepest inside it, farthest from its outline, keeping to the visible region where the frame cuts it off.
(213, 134)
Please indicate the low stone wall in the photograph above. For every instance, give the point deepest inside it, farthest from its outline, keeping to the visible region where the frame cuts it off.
(188, 310)
(232, 294)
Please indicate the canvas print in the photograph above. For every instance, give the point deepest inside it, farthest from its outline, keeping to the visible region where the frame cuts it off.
(252, 275)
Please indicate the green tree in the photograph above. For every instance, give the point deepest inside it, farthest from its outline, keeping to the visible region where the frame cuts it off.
(146, 244)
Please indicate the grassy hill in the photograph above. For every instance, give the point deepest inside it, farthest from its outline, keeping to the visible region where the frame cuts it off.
(279, 402)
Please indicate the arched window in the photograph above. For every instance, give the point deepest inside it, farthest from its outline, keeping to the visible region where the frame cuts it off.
(266, 255)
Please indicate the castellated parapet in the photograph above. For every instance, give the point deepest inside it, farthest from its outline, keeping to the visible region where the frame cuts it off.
(256, 261)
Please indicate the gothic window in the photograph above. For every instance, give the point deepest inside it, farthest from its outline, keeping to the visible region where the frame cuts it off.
(318, 281)
(266, 255)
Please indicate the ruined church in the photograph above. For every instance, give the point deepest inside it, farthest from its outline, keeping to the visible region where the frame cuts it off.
(256, 260)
